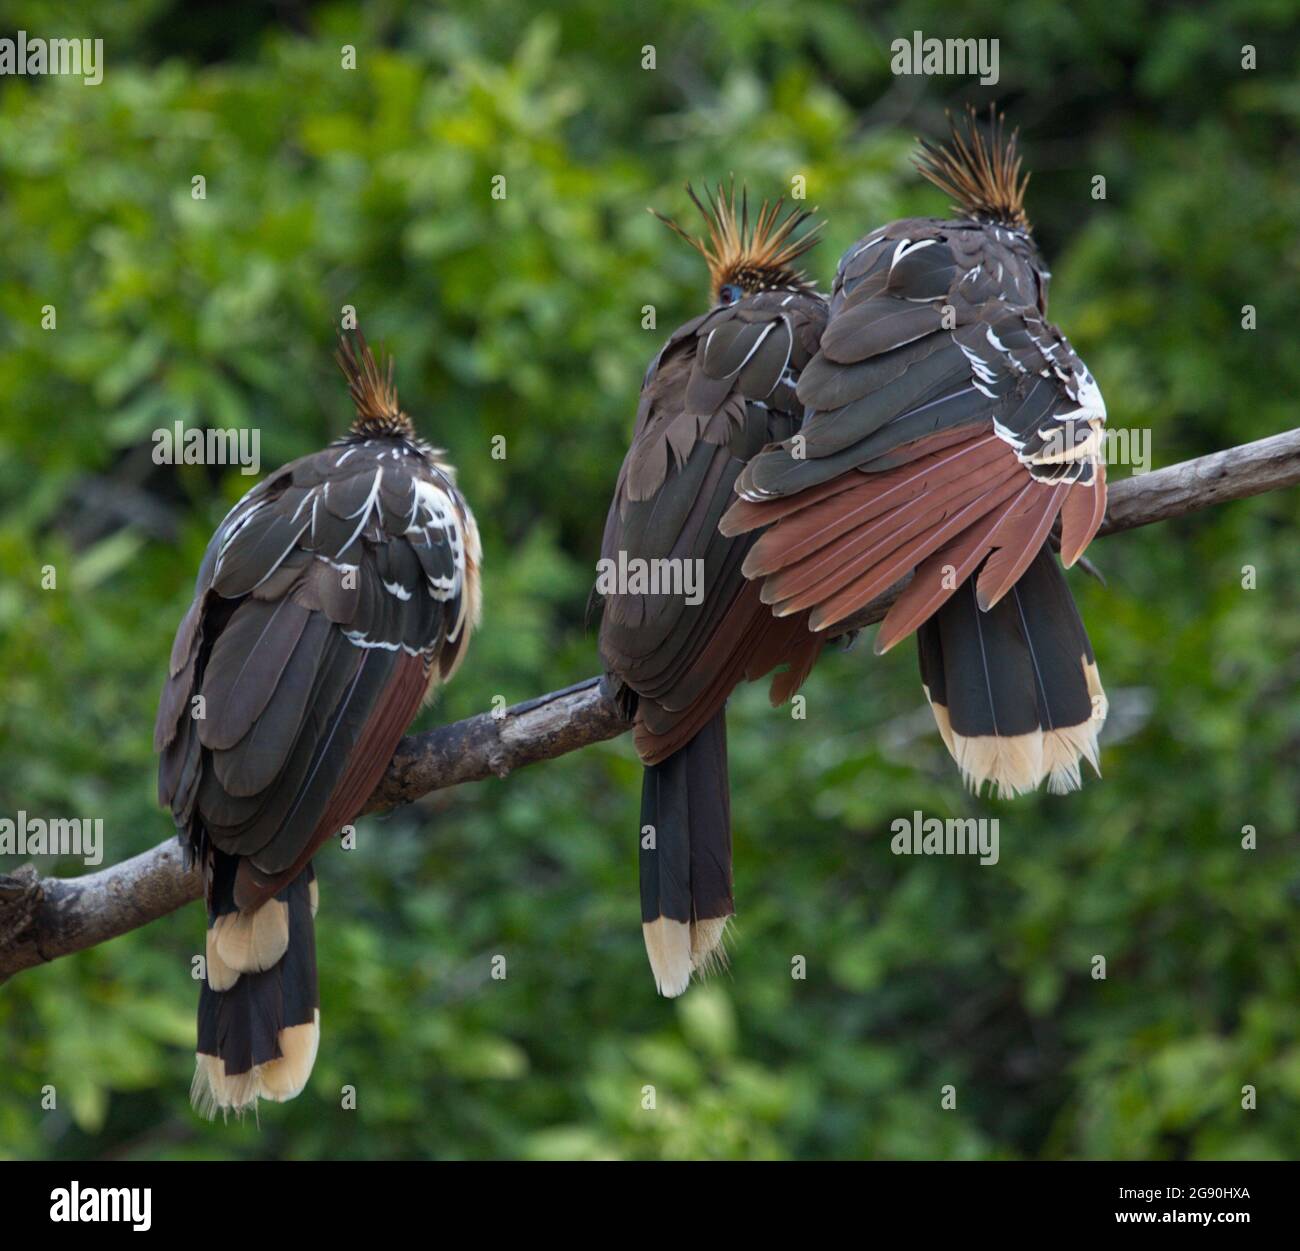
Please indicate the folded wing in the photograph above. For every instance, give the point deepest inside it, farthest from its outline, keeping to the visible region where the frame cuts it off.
(950, 425)
(332, 598)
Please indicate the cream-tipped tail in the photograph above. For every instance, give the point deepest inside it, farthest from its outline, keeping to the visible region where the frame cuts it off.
(678, 948)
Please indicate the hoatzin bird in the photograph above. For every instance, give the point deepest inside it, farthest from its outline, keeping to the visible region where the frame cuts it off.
(331, 602)
(949, 424)
(721, 388)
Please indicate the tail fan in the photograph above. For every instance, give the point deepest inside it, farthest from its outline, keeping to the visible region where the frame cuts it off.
(259, 1010)
(1015, 690)
(686, 891)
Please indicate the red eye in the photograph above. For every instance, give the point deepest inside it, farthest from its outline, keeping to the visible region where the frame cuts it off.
(730, 293)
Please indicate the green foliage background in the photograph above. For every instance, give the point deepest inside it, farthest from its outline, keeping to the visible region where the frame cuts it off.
(522, 318)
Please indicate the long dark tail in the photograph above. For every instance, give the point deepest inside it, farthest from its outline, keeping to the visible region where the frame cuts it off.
(1015, 690)
(686, 858)
(259, 1011)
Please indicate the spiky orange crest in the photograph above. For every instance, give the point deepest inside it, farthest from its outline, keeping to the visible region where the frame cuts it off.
(982, 175)
(755, 258)
(373, 390)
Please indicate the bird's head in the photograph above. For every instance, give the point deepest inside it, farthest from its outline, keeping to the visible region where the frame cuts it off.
(981, 174)
(373, 391)
(745, 257)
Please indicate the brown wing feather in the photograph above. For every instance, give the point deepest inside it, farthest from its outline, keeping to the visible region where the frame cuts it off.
(1019, 539)
(881, 576)
(938, 577)
(713, 398)
(1081, 517)
(398, 702)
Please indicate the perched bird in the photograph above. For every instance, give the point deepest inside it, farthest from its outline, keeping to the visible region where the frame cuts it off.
(721, 388)
(331, 602)
(949, 425)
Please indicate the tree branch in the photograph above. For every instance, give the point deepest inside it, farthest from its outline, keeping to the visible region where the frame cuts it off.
(44, 918)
